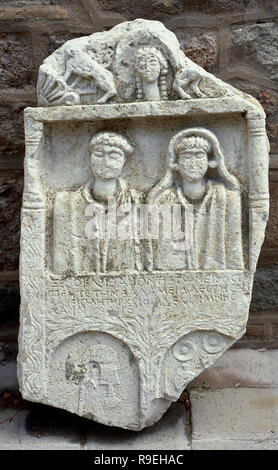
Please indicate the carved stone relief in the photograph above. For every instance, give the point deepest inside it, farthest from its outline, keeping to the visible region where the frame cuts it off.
(100, 375)
(144, 211)
(138, 60)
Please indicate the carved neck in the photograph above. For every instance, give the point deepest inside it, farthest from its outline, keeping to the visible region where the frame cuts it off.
(104, 189)
(151, 90)
(194, 190)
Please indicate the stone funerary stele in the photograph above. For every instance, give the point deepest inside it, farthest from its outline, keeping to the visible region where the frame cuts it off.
(144, 211)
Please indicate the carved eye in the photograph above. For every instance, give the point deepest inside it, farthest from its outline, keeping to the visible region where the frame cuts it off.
(186, 156)
(116, 154)
(200, 155)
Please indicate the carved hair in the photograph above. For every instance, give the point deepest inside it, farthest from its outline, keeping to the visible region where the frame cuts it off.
(143, 52)
(201, 138)
(113, 139)
(188, 143)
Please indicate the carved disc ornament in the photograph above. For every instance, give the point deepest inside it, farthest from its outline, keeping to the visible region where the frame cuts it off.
(144, 211)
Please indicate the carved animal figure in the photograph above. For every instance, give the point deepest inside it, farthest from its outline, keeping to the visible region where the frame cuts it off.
(54, 90)
(189, 80)
(82, 65)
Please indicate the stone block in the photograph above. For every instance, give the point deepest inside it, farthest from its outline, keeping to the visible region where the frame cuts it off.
(15, 61)
(275, 329)
(10, 204)
(265, 290)
(156, 9)
(12, 130)
(255, 330)
(36, 427)
(239, 414)
(256, 45)
(57, 40)
(240, 444)
(271, 234)
(268, 98)
(241, 368)
(201, 48)
(15, 434)
(25, 11)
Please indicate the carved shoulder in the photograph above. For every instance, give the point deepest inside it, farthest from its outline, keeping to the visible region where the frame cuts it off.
(168, 196)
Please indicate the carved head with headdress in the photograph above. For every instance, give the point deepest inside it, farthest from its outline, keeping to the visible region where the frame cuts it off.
(150, 66)
(191, 153)
(108, 152)
(201, 149)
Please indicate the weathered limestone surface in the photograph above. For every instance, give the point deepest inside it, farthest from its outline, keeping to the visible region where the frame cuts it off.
(115, 324)
(261, 41)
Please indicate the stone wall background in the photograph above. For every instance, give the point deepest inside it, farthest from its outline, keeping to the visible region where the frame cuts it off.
(237, 40)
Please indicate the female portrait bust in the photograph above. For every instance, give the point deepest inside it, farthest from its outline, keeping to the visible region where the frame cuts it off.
(214, 200)
(151, 71)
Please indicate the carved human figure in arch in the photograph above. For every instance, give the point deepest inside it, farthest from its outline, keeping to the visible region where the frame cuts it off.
(151, 69)
(79, 247)
(214, 201)
(100, 365)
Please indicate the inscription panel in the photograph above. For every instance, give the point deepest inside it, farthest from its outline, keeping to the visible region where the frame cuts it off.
(133, 291)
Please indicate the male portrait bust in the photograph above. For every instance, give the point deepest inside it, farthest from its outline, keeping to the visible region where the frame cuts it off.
(215, 201)
(73, 249)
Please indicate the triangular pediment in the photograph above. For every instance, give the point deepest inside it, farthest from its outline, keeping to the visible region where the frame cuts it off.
(137, 60)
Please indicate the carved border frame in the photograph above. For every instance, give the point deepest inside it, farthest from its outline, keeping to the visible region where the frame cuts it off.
(31, 359)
